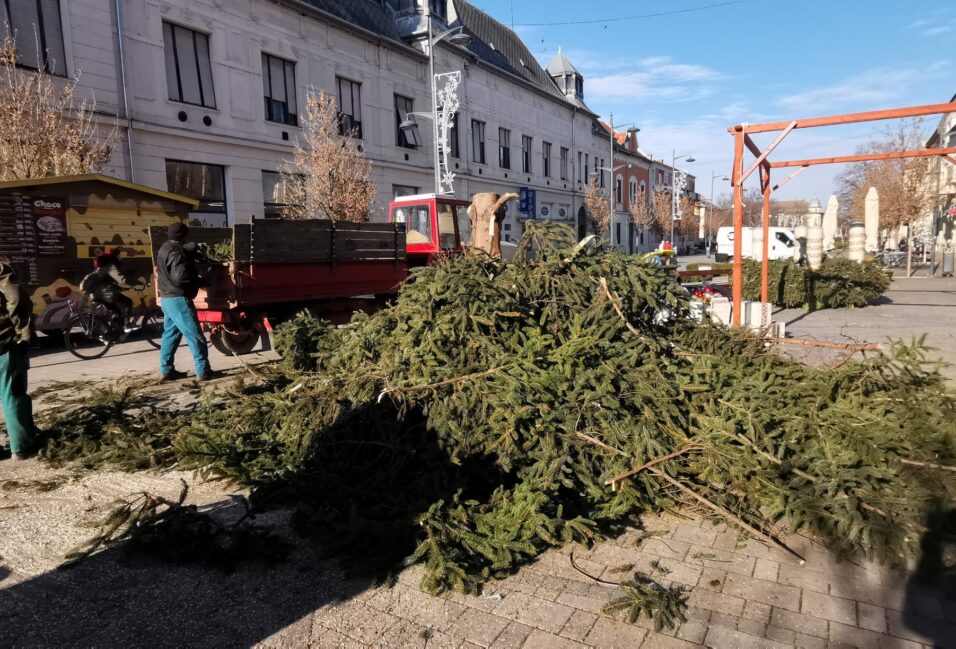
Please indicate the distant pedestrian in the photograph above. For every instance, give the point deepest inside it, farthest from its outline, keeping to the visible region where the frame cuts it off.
(15, 311)
(177, 280)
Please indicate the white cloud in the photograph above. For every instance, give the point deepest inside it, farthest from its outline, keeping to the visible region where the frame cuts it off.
(658, 78)
(936, 31)
(872, 88)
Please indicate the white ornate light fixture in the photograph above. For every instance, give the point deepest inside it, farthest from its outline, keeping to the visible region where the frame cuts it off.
(446, 90)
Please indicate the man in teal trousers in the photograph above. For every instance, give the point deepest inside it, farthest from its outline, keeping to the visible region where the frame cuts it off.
(177, 281)
(15, 310)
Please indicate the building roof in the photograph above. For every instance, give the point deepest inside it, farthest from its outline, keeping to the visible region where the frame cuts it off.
(93, 180)
(498, 45)
(370, 16)
(561, 65)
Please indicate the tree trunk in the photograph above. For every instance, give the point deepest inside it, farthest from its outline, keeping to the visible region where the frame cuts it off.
(486, 214)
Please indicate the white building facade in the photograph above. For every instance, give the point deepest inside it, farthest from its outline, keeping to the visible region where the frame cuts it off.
(207, 96)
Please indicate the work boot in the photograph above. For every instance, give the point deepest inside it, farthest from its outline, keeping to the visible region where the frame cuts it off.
(210, 375)
(19, 457)
(173, 375)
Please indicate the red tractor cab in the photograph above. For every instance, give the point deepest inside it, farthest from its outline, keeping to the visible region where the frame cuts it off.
(434, 225)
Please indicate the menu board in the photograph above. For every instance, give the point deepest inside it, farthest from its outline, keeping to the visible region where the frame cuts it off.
(32, 227)
(49, 218)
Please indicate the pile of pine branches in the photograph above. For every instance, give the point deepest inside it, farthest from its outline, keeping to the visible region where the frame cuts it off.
(499, 409)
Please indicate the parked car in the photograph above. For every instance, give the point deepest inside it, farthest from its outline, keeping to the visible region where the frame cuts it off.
(781, 245)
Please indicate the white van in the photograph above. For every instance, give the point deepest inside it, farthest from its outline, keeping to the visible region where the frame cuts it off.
(782, 244)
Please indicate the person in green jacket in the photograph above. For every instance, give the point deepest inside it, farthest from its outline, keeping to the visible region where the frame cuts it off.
(15, 310)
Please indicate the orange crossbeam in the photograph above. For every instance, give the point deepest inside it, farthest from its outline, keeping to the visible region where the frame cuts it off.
(921, 153)
(950, 159)
(850, 118)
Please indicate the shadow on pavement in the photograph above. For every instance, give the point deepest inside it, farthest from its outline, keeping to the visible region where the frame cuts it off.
(113, 600)
(934, 581)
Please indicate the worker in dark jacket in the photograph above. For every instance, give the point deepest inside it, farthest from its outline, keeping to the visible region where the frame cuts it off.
(177, 281)
(15, 310)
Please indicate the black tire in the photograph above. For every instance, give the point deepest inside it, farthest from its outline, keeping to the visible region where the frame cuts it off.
(88, 337)
(153, 327)
(234, 343)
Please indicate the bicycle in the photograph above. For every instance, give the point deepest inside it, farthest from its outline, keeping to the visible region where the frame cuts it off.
(891, 258)
(91, 332)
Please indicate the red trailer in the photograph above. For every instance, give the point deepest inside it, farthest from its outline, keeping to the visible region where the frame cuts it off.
(332, 268)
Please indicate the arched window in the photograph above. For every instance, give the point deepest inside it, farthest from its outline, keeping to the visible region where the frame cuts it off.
(619, 190)
(633, 191)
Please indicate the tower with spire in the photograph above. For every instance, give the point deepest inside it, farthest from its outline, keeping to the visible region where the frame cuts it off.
(567, 78)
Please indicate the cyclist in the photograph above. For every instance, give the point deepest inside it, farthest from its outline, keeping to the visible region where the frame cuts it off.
(106, 285)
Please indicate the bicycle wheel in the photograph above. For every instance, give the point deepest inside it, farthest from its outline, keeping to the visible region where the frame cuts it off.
(87, 336)
(153, 327)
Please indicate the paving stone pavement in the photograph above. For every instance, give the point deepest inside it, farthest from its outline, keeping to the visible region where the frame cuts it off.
(741, 594)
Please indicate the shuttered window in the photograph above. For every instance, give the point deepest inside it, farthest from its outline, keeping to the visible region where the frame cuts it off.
(37, 31)
(188, 68)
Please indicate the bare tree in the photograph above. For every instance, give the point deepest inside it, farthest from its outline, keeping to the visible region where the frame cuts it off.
(329, 177)
(652, 211)
(905, 195)
(595, 202)
(44, 131)
(689, 224)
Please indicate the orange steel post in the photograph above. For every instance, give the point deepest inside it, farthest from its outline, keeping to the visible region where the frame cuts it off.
(863, 157)
(851, 118)
(765, 261)
(738, 277)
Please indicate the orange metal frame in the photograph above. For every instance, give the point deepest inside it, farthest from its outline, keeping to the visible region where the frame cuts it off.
(742, 139)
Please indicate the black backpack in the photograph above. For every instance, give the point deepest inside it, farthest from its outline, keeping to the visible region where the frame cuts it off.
(88, 284)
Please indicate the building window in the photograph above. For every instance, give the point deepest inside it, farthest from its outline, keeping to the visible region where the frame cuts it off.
(564, 163)
(526, 154)
(587, 168)
(632, 197)
(438, 8)
(617, 233)
(504, 148)
(275, 196)
(37, 31)
(403, 106)
(599, 170)
(619, 190)
(278, 86)
(577, 171)
(478, 141)
(660, 177)
(404, 190)
(350, 107)
(206, 183)
(188, 69)
(453, 137)
(546, 158)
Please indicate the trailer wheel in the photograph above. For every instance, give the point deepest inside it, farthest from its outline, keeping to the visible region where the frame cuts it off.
(229, 343)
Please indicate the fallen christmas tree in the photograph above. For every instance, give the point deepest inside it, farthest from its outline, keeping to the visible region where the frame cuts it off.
(499, 409)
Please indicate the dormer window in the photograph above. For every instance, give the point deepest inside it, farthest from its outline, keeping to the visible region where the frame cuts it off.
(439, 8)
(579, 86)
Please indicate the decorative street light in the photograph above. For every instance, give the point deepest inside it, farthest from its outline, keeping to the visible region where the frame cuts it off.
(448, 94)
(710, 219)
(610, 169)
(678, 181)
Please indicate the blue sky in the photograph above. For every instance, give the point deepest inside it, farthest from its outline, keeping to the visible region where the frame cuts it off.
(685, 78)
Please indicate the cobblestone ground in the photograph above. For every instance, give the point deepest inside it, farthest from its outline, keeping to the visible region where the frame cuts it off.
(741, 593)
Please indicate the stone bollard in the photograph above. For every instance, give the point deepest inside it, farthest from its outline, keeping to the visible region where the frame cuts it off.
(815, 235)
(856, 242)
(800, 251)
(871, 220)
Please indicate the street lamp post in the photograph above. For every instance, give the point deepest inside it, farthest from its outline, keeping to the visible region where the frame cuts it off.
(675, 199)
(710, 219)
(456, 36)
(610, 168)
